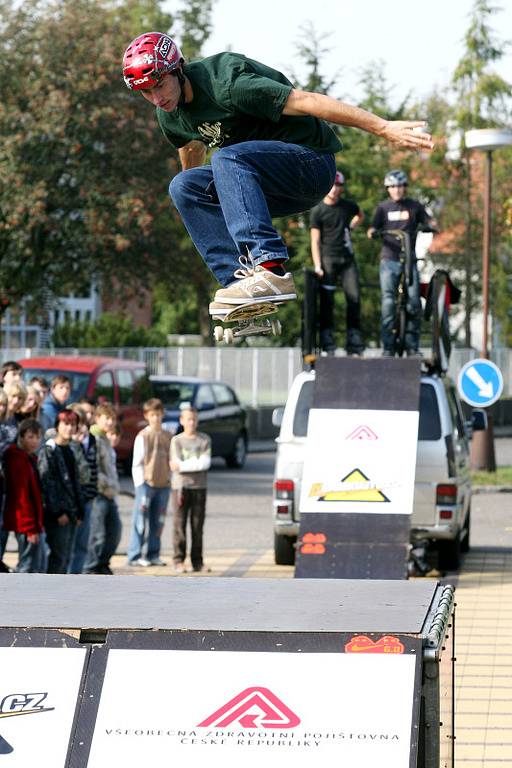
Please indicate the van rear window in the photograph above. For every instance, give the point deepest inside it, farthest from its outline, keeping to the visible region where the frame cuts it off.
(430, 422)
(429, 426)
(300, 420)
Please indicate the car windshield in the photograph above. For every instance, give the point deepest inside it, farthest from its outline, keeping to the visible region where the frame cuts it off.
(78, 379)
(429, 425)
(173, 393)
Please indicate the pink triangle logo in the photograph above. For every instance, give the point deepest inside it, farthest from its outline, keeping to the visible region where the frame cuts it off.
(362, 433)
(253, 708)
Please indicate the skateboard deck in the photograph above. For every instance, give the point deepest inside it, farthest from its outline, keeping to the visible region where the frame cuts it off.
(246, 317)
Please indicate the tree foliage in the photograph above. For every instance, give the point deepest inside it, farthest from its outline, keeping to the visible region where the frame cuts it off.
(84, 167)
(110, 330)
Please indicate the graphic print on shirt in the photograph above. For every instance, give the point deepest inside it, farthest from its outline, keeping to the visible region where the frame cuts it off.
(398, 215)
(213, 134)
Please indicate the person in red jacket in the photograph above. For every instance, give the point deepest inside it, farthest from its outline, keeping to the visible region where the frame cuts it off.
(23, 511)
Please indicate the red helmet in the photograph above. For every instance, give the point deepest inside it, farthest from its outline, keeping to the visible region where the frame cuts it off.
(147, 58)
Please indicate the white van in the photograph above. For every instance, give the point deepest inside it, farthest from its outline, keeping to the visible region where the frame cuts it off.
(442, 494)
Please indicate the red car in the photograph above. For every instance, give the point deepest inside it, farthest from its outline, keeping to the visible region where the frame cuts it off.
(120, 382)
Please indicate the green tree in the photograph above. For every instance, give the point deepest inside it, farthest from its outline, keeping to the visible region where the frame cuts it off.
(82, 188)
(110, 330)
(482, 99)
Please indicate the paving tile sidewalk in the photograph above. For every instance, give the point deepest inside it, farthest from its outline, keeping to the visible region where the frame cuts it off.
(483, 724)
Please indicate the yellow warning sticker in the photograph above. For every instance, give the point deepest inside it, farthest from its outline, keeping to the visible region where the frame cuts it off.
(355, 486)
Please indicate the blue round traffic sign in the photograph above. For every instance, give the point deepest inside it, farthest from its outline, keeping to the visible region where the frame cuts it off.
(480, 383)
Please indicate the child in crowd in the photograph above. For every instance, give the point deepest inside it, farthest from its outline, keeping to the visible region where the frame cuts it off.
(84, 445)
(105, 521)
(31, 408)
(7, 436)
(16, 397)
(11, 372)
(41, 385)
(62, 495)
(152, 479)
(190, 460)
(60, 390)
(23, 513)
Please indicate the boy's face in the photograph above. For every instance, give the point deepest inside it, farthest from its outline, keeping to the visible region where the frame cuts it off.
(396, 193)
(61, 392)
(11, 377)
(165, 95)
(154, 418)
(66, 430)
(89, 411)
(188, 421)
(105, 422)
(30, 441)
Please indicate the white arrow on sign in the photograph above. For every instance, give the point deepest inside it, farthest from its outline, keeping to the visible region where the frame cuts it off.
(485, 387)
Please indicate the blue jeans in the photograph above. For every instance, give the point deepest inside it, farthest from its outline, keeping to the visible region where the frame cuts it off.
(30, 556)
(390, 272)
(60, 540)
(148, 521)
(227, 207)
(81, 541)
(105, 533)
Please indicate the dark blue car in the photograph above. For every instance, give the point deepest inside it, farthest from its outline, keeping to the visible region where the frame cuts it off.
(221, 415)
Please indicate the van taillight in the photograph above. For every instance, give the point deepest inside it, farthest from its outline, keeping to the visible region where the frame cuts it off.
(446, 494)
(284, 489)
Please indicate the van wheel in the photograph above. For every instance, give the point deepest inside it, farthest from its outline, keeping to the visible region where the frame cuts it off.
(284, 549)
(449, 554)
(465, 544)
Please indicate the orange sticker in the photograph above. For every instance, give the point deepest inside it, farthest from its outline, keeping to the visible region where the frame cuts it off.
(313, 544)
(364, 644)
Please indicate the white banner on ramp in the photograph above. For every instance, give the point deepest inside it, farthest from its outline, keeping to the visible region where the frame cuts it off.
(360, 461)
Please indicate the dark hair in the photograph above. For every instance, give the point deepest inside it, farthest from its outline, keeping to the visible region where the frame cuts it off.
(68, 417)
(29, 425)
(40, 380)
(87, 401)
(60, 378)
(10, 365)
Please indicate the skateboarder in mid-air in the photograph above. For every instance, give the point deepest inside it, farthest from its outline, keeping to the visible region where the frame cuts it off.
(275, 157)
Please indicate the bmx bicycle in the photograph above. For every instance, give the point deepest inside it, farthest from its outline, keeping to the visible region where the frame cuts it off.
(407, 260)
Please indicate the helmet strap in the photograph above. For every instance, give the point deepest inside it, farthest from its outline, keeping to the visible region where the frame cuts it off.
(181, 80)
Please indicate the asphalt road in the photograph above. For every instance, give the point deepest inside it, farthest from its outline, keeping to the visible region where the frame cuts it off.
(239, 507)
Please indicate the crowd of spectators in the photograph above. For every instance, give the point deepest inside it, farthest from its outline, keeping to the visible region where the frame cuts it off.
(58, 479)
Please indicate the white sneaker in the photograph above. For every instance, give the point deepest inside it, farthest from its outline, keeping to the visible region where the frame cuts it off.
(255, 285)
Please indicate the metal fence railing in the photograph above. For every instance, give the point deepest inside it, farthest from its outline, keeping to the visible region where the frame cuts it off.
(260, 375)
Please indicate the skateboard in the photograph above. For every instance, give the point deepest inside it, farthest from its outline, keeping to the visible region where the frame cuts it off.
(247, 319)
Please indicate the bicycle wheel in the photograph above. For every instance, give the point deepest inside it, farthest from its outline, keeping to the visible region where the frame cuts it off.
(441, 344)
(401, 315)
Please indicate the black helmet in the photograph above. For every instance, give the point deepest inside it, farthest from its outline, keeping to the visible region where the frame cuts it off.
(395, 178)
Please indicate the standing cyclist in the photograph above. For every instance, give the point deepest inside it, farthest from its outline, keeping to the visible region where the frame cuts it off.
(331, 222)
(399, 212)
(275, 158)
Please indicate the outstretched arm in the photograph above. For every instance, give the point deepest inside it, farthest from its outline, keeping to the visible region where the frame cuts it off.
(404, 133)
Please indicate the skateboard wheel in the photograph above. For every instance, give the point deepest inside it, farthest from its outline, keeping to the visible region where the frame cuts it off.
(218, 333)
(276, 327)
(228, 335)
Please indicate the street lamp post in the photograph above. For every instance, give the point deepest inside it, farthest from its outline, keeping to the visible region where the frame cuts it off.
(486, 140)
